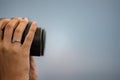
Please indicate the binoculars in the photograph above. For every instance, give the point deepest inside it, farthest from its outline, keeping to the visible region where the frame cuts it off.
(38, 44)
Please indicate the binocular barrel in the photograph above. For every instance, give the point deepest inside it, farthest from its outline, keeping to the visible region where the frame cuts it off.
(38, 44)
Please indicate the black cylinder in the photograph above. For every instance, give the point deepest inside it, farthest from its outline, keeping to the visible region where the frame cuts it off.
(38, 44)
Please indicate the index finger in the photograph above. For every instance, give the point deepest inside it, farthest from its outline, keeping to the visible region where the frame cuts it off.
(29, 38)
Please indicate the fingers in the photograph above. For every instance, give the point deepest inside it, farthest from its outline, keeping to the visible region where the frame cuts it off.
(29, 38)
(20, 29)
(33, 71)
(9, 29)
(3, 22)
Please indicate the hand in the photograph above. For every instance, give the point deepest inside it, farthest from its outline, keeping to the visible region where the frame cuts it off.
(14, 56)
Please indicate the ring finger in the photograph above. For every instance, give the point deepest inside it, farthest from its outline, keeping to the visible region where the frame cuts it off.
(20, 29)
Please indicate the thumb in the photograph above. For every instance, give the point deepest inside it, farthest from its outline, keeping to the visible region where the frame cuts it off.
(33, 72)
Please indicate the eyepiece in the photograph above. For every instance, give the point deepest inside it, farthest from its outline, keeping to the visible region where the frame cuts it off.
(38, 44)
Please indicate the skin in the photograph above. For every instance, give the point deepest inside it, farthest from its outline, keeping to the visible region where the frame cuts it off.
(15, 60)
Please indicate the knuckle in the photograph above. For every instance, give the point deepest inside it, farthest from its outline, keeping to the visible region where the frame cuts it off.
(18, 30)
(19, 18)
(32, 30)
(5, 47)
(9, 26)
(28, 38)
(16, 19)
(24, 21)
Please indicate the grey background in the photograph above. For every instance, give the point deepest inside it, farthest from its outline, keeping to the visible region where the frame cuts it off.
(83, 41)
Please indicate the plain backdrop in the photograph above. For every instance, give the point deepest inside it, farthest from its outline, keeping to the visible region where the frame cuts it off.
(83, 36)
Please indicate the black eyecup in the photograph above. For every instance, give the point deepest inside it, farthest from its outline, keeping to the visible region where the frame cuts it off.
(38, 44)
(43, 40)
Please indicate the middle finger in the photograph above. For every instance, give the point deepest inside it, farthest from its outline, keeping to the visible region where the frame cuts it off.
(9, 29)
